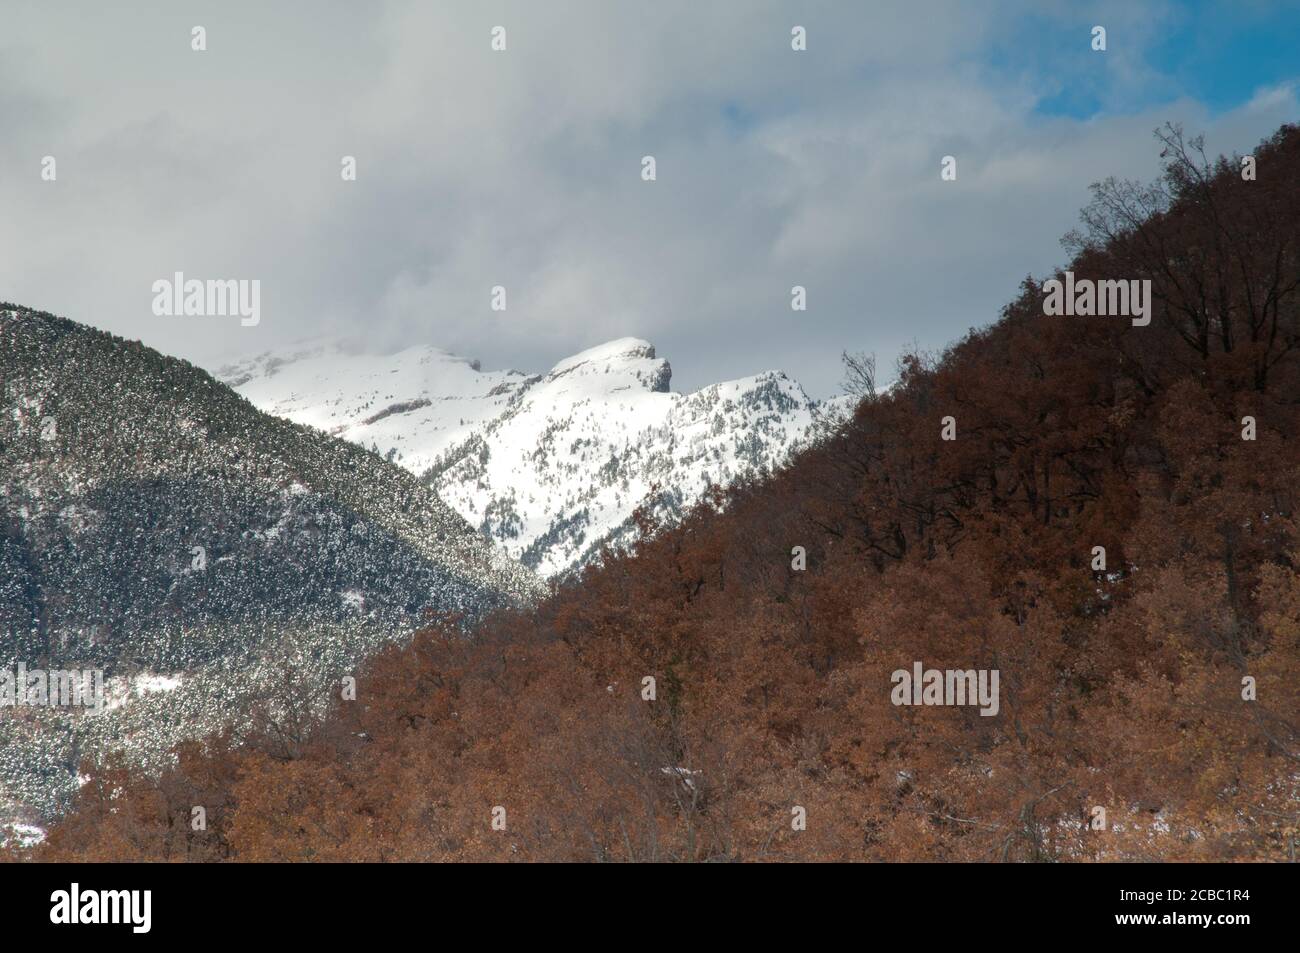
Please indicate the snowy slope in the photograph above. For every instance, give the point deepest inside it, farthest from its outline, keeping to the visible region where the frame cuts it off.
(417, 403)
(550, 466)
(204, 556)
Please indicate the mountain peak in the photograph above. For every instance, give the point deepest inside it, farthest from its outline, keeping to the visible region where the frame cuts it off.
(615, 366)
(618, 350)
(551, 466)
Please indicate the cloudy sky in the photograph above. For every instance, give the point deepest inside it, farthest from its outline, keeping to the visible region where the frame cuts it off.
(522, 168)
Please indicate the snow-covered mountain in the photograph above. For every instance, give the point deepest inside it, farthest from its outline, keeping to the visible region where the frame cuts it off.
(551, 465)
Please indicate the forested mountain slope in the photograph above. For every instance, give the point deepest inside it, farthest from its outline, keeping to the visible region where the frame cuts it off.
(154, 524)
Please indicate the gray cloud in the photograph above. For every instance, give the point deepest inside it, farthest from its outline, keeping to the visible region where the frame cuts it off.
(522, 169)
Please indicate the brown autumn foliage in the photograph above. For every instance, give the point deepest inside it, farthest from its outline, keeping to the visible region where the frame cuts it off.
(1120, 689)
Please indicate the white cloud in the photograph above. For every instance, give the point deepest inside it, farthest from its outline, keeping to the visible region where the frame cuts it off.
(522, 169)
